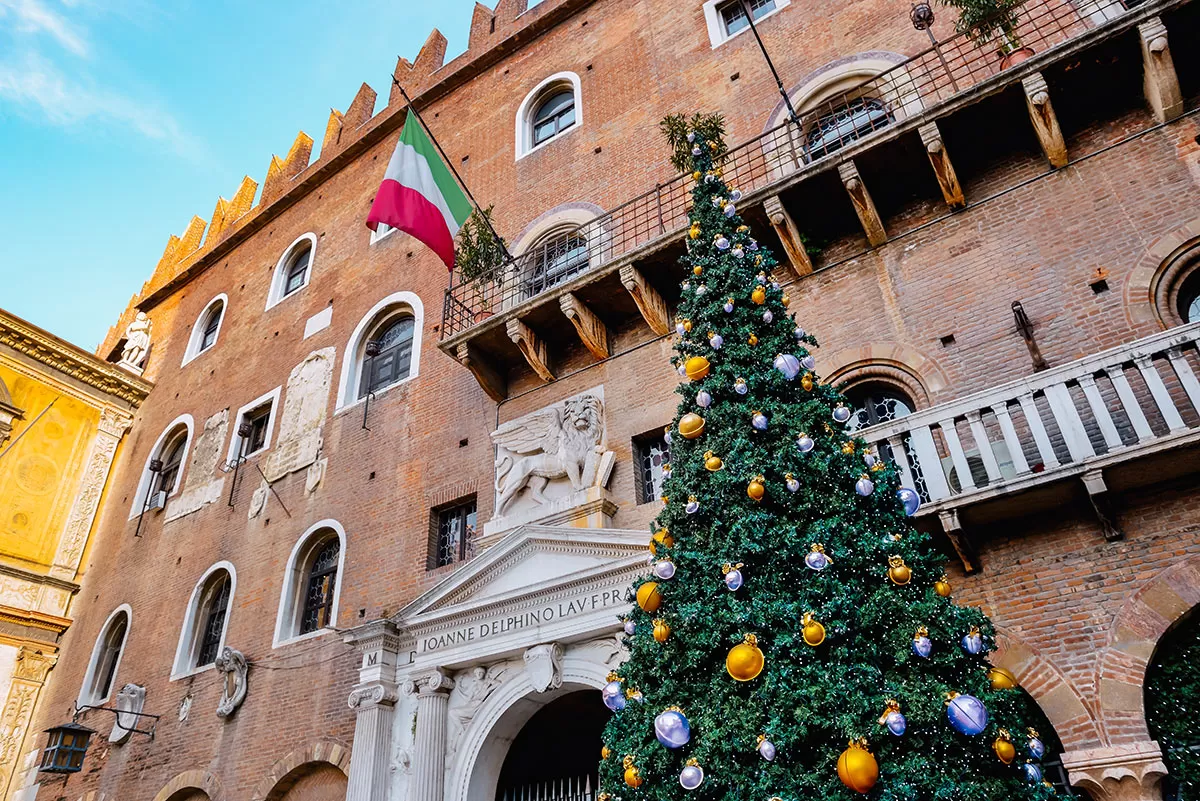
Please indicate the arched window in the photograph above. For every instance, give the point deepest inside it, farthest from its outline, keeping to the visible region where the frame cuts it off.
(1187, 301)
(162, 474)
(207, 328)
(550, 110)
(844, 121)
(106, 658)
(308, 602)
(384, 350)
(557, 257)
(293, 269)
(879, 402)
(204, 627)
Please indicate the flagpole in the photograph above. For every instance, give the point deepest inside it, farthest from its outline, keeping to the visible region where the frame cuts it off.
(446, 159)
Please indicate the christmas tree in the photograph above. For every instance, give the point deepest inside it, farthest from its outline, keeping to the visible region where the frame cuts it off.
(796, 638)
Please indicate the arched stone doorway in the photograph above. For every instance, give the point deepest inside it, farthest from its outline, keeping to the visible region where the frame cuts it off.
(1172, 699)
(556, 753)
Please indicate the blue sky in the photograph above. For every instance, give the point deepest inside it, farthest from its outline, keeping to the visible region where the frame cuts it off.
(120, 119)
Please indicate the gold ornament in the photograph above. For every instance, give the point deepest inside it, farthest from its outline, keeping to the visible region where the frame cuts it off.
(648, 597)
(857, 768)
(696, 367)
(696, 176)
(898, 572)
(745, 661)
(785, 300)
(814, 632)
(756, 490)
(697, 270)
(753, 340)
(661, 537)
(848, 447)
(604, 752)
(691, 425)
(1004, 748)
(875, 468)
(694, 232)
(712, 463)
(632, 777)
(806, 381)
(759, 295)
(661, 630)
(1002, 679)
(942, 586)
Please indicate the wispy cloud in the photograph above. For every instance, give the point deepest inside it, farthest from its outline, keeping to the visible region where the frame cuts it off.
(35, 17)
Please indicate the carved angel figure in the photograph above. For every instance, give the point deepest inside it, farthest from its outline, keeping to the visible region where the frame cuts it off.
(231, 663)
(547, 445)
(137, 341)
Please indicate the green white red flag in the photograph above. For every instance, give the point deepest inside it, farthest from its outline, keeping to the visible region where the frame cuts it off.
(419, 195)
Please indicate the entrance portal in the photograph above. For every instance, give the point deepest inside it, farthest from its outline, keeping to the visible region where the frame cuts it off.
(556, 755)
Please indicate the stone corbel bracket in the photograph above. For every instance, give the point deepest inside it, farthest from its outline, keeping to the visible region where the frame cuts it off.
(649, 302)
(864, 206)
(939, 159)
(591, 329)
(789, 235)
(1045, 121)
(532, 347)
(1161, 81)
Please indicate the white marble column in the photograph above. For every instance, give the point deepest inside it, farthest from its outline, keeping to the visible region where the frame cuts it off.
(429, 747)
(374, 700)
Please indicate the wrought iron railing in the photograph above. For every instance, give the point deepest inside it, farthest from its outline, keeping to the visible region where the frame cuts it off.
(929, 78)
(581, 788)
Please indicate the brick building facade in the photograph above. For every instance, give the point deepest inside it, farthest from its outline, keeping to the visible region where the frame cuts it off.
(1003, 286)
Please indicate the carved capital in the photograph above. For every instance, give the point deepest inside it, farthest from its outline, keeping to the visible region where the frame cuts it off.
(435, 682)
(113, 423)
(380, 694)
(1128, 772)
(33, 664)
(1036, 89)
(1154, 34)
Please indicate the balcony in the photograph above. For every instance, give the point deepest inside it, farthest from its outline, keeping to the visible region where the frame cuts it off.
(1110, 422)
(621, 267)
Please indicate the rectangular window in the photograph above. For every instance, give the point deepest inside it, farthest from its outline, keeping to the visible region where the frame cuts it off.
(381, 230)
(453, 536)
(733, 15)
(254, 426)
(651, 453)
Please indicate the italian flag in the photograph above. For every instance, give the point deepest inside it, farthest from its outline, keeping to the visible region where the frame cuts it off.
(419, 195)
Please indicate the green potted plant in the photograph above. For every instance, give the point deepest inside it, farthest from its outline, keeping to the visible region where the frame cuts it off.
(992, 21)
(706, 127)
(480, 257)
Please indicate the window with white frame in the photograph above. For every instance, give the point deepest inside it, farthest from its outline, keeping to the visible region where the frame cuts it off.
(381, 231)
(106, 658)
(162, 474)
(308, 603)
(384, 350)
(293, 270)
(254, 426)
(727, 18)
(552, 109)
(206, 622)
(206, 329)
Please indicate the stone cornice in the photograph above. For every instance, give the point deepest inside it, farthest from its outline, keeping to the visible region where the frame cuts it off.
(63, 357)
(34, 619)
(38, 578)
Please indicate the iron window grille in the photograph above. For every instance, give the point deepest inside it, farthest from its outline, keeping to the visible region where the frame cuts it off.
(394, 360)
(854, 120)
(556, 259)
(653, 454)
(211, 323)
(214, 623)
(321, 587)
(733, 16)
(455, 534)
(554, 115)
(297, 271)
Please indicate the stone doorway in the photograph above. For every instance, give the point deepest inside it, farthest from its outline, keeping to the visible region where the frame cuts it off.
(556, 754)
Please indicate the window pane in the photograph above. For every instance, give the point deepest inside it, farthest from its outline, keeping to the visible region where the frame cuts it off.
(652, 454)
(394, 359)
(456, 532)
(172, 459)
(734, 16)
(214, 623)
(835, 130)
(297, 271)
(552, 106)
(211, 324)
(544, 131)
(320, 588)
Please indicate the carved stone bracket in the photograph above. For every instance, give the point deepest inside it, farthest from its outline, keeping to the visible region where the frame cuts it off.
(864, 206)
(649, 302)
(789, 235)
(1093, 481)
(489, 379)
(943, 169)
(532, 347)
(1045, 121)
(1128, 772)
(958, 538)
(1161, 81)
(591, 329)
(234, 671)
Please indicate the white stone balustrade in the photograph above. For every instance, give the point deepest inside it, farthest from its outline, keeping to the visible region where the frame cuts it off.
(1066, 421)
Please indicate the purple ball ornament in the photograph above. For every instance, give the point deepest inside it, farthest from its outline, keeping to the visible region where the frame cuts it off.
(733, 576)
(893, 718)
(630, 627)
(691, 137)
(966, 713)
(692, 775)
(805, 443)
(681, 370)
(1032, 772)
(721, 242)
(800, 333)
(735, 195)
(1037, 749)
(667, 434)
(766, 748)
(703, 399)
(909, 499)
(791, 483)
(680, 328)
(787, 364)
(841, 413)
(696, 150)
(612, 694)
(816, 558)
(753, 245)
(768, 317)
(664, 570)
(715, 341)
(700, 290)
(729, 306)
(740, 386)
(693, 505)
(759, 421)
(672, 728)
(922, 646)
(809, 363)
(737, 252)
(730, 209)
(864, 486)
(972, 642)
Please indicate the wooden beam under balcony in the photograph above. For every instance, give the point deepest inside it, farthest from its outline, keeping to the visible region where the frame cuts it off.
(649, 302)
(493, 382)
(864, 207)
(532, 347)
(591, 329)
(1045, 121)
(789, 235)
(1161, 81)
(939, 159)
(958, 538)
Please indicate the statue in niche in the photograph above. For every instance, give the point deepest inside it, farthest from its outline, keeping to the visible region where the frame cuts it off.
(233, 668)
(137, 342)
(547, 445)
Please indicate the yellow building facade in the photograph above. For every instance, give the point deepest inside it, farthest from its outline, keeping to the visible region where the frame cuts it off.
(63, 413)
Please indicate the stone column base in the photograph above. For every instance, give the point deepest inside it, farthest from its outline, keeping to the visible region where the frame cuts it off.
(1129, 772)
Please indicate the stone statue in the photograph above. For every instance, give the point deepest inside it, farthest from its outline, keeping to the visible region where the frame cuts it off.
(132, 698)
(471, 689)
(232, 664)
(543, 666)
(547, 445)
(137, 342)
